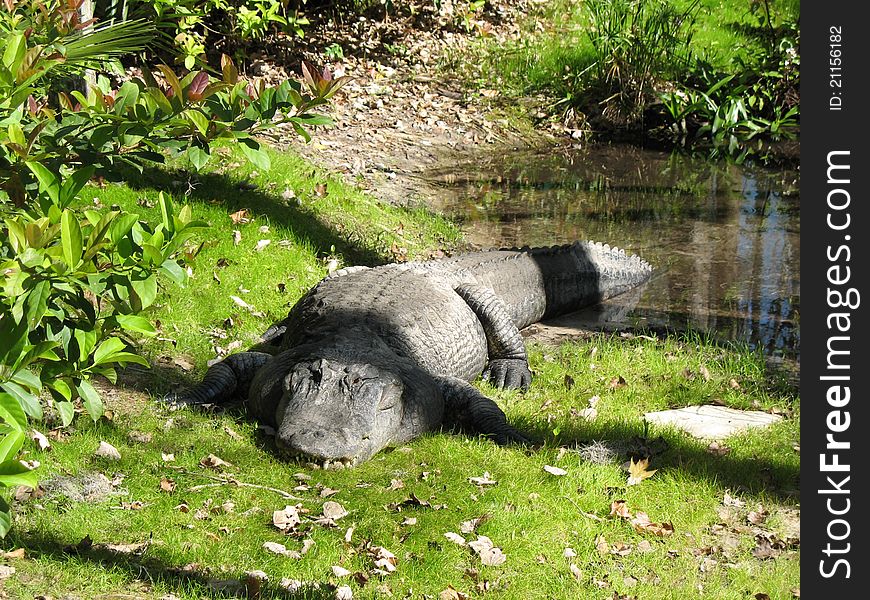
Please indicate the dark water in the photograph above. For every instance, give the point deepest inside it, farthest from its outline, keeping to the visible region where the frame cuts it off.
(724, 239)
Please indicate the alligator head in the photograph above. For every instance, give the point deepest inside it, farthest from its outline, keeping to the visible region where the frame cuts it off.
(338, 411)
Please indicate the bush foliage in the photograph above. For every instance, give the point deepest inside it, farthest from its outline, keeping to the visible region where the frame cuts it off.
(76, 284)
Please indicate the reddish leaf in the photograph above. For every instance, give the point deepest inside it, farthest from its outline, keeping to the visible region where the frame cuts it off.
(197, 87)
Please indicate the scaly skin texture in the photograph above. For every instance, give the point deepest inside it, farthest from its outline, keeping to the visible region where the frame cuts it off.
(371, 357)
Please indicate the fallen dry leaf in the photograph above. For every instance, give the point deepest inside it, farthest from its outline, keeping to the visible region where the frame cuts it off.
(758, 516)
(644, 546)
(17, 553)
(730, 500)
(214, 462)
(344, 593)
(261, 245)
(107, 450)
(409, 521)
(286, 519)
(384, 559)
(339, 571)
(167, 485)
(555, 470)
(6, 571)
(471, 525)
(484, 480)
(237, 237)
(41, 441)
(280, 549)
(619, 508)
(333, 510)
(620, 549)
(575, 572)
(136, 548)
(642, 524)
(637, 471)
(451, 593)
(486, 550)
(240, 216)
(717, 449)
(455, 538)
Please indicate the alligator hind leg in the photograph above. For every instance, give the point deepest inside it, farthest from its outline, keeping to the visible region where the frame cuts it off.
(231, 376)
(508, 365)
(469, 410)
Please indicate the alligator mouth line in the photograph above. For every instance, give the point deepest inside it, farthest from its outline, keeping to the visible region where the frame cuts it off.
(320, 463)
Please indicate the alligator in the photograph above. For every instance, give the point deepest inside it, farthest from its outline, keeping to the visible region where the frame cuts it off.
(372, 357)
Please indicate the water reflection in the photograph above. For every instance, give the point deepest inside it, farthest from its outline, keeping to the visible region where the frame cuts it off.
(724, 239)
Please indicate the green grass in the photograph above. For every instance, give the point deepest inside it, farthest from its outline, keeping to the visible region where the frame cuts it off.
(533, 516)
(555, 47)
(308, 216)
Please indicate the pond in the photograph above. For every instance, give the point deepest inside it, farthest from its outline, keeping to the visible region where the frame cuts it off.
(724, 239)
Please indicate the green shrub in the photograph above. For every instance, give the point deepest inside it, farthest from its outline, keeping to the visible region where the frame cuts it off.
(637, 44)
(74, 285)
(736, 114)
(191, 26)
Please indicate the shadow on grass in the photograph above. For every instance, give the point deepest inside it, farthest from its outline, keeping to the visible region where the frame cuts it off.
(146, 567)
(675, 452)
(212, 188)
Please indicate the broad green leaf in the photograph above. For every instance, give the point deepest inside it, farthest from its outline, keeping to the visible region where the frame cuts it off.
(185, 215)
(198, 156)
(151, 254)
(10, 444)
(11, 411)
(251, 149)
(173, 270)
(74, 183)
(106, 349)
(61, 387)
(71, 238)
(165, 203)
(16, 234)
(67, 411)
(126, 96)
(28, 379)
(199, 120)
(29, 402)
(36, 303)
(86, 341)
(14, 472)
(48, 181)
(146, 290)
(5, 521)
(16, 135)
(122, 225)
(91, 399)
(16, 45)
(136, 323)
(129, 357)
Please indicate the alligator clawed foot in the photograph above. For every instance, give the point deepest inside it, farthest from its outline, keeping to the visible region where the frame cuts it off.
(508, 373)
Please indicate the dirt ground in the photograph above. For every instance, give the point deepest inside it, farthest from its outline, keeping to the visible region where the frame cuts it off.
(402, 114)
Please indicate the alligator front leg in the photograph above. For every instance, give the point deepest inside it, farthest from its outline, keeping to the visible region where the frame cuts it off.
(469, 410)
(508, 365)
(231, 376)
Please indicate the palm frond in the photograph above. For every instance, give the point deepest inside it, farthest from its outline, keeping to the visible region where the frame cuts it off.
(108, 41)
